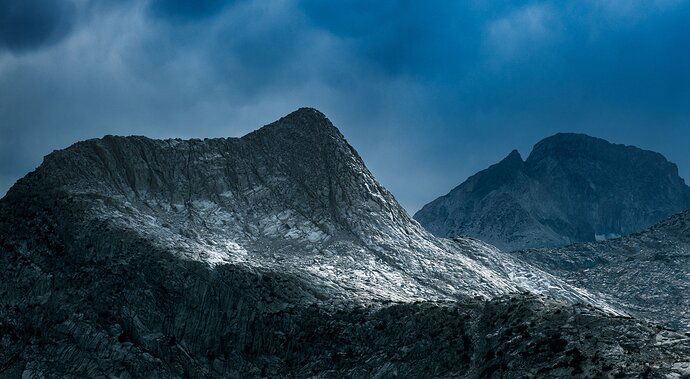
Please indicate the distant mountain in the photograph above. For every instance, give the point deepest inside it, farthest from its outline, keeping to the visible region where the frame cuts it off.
(647, 273)
(571, 188)
(276, 255)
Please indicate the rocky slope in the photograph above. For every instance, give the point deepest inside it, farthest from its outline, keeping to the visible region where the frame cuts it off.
(646, 273)
(275, 254)
(571, 188)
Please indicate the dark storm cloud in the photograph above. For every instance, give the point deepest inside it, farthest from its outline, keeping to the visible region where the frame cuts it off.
(428, 92)
(177, 10)
(608, 51)
(404, 37)
(30, 24)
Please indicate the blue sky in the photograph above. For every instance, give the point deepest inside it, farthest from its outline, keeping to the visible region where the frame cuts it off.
(428, 92)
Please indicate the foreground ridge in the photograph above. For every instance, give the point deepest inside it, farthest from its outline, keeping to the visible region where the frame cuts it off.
(645, 273)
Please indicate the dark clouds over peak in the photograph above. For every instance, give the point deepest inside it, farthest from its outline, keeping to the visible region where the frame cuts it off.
(601, 48)
(428, 92)
(403, 37)
(30, 24)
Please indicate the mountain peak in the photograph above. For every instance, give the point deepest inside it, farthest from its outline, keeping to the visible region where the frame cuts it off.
(306, 125)
(572, 188)
(300, 165)
(305, 117)
(304, 112)
(561, 144)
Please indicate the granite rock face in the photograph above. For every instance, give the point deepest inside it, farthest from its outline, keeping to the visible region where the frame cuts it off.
(276, 254)
(571, 188)
(647, 273)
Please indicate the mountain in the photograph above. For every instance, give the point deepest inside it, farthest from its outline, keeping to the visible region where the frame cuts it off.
(571, 188)
(276, 254)
(646, 274)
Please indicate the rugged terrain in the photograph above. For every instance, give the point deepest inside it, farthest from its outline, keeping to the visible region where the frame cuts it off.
(647, 273)
(276, 254)
(571, 188)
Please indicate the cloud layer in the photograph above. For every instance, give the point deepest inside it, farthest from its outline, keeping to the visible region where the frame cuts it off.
(428, 92)
(32, 24)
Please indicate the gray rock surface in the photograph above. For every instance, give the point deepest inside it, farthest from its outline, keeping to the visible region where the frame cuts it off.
(571, 188)
(276, 254)
(647, 273)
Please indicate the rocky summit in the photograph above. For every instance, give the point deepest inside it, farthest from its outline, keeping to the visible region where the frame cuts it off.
(278, 255)
(571, 188)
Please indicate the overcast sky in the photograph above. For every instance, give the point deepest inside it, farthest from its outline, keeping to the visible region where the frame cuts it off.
(428, 92)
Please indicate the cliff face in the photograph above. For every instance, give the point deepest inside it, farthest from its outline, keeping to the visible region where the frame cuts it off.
(274, 254)
(571, 188)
